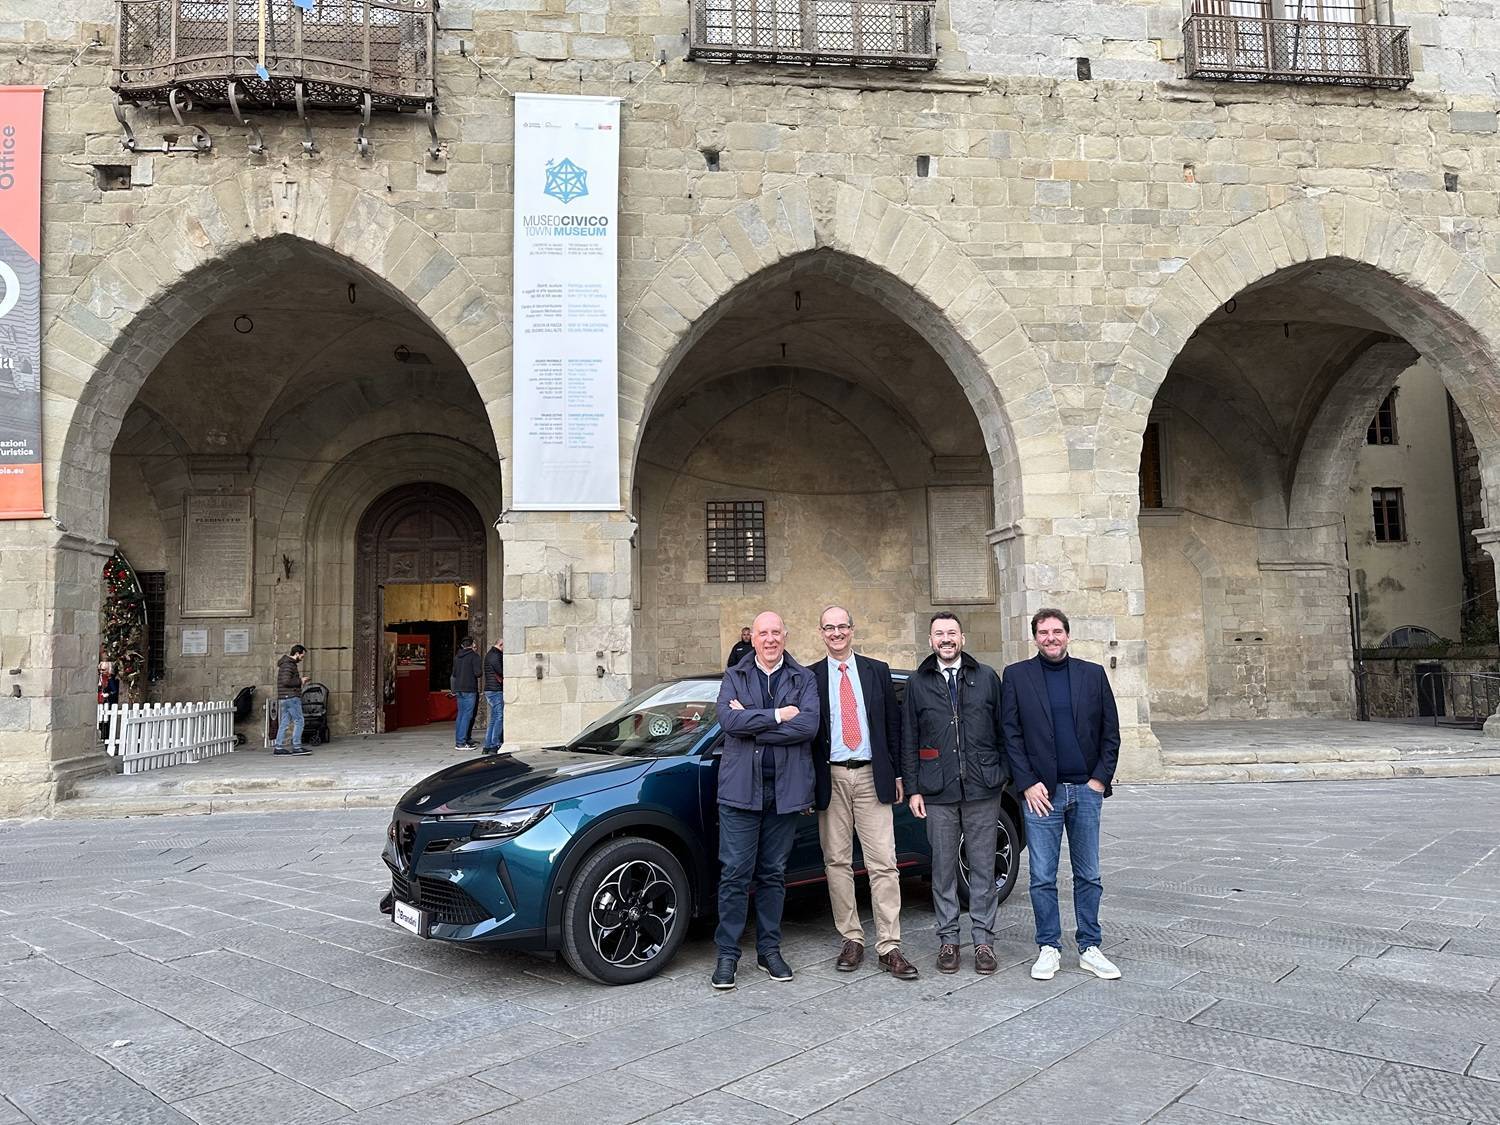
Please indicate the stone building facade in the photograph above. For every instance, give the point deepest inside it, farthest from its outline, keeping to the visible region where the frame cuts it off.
(860, 296)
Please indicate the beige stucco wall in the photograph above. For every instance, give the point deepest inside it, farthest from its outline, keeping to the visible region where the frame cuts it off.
(1418, 581)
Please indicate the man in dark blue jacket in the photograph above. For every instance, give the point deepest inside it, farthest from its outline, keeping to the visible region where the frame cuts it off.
(1062, 734)
(768, 708)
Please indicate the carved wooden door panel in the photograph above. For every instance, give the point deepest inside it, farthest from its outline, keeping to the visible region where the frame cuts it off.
(418, 533)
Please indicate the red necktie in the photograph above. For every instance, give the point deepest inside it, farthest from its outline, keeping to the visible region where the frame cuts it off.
(848, 709)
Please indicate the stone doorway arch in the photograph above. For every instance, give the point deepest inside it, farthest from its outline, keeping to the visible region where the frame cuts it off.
(412, 534)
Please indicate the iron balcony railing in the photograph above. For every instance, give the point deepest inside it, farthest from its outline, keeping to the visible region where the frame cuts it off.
(1236, 48)
(889, 33)
(332, 54)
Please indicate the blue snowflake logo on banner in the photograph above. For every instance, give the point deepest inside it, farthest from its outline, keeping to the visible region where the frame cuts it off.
(566, 181)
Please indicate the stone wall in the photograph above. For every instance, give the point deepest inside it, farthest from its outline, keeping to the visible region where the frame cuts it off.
(1069, 239)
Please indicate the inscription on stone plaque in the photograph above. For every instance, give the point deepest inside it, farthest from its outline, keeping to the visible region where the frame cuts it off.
(959, 556)
(218, 556)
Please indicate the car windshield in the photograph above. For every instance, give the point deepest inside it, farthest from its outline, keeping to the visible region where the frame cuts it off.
(659, 723)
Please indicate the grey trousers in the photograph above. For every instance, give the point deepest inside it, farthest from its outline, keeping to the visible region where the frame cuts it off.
(975, 821)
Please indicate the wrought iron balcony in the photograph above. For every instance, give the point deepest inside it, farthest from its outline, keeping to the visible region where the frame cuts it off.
(1229, 47)
(890, 33)
(277, 54)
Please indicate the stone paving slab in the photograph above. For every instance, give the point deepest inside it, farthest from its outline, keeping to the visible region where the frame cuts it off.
(1323, 953)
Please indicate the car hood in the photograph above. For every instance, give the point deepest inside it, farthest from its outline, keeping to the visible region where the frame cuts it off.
(494, 782)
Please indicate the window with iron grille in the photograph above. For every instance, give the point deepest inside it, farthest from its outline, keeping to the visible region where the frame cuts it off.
(1331, 42)
(154, 591)
(736, 541)
(1151, 469)
(1383, 426)
(1390, 516)
(896, 33)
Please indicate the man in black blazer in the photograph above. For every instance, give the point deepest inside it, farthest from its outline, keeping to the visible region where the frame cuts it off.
(857, 777)
(1062, 734)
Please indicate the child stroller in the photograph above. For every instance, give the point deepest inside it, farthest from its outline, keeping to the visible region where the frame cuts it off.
(315, 714)
(242, 705)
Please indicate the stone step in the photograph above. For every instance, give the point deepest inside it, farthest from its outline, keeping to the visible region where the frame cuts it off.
(166, 803)
(1467, 766)
(1313, 754)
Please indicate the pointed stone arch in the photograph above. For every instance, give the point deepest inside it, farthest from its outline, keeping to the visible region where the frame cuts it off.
(1442, 304)
(897, 256)
(112, 330)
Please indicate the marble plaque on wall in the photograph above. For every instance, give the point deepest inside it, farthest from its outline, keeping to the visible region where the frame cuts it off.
(218, 556)
(959, 556)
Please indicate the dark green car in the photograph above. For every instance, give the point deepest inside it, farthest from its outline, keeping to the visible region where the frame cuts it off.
(602, 849)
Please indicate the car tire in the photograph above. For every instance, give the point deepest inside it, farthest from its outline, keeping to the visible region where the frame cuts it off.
(627, 911)
(1007, 861)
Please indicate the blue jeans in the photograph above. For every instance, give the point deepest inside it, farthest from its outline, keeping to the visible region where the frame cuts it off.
(753, 850)
(463, 728)
(1075, 808)
(289, 720)
(494, 734)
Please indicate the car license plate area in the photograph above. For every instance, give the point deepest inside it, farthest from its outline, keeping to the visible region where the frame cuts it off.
(409, 918)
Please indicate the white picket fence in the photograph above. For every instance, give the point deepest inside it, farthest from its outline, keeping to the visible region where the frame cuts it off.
(150, 736)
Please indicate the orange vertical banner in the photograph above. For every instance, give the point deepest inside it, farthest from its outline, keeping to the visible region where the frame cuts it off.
(21, 302)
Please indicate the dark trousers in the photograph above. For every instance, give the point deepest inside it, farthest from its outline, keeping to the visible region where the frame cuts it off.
(753, 850)
(974, 826)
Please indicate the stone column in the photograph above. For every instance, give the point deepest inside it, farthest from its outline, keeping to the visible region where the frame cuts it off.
(1090, 568)
(566, 613)
(1489, 539)
(49, 642)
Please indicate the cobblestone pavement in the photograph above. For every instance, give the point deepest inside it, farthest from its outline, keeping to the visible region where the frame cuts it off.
(1319, 953)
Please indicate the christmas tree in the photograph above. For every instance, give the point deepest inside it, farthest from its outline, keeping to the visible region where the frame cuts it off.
(122, 626)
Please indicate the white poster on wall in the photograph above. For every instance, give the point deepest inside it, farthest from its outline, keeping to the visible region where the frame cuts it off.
(565, 421)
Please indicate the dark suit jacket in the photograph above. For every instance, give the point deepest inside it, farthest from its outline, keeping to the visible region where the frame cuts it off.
(1026, 720)
(884, 716)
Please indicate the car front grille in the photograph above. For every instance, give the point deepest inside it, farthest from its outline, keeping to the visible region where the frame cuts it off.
(446, 902)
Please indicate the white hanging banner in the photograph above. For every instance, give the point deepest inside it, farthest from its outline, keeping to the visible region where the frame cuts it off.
(565, 425)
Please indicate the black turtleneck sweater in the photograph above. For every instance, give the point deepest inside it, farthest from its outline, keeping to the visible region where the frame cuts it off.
(1071, 766)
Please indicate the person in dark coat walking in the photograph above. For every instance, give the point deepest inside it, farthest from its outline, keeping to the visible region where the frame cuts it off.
(857, 756)
(954, 768)
(494, 696)
(768, 709)
(465, 683)
(1062, 734)
(741, 649)
(289, 684)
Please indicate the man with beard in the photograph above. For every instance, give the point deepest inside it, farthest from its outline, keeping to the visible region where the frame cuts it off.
(954, 767)
(1062, 734)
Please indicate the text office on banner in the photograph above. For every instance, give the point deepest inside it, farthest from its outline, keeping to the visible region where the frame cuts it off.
(21, 302)
(565, 427)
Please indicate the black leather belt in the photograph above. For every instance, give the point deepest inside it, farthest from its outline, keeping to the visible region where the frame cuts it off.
(853, 763)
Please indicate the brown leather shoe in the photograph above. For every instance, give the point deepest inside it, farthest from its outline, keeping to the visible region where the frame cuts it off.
(984, 960)
(898, 966)
(851, 957)
(947, 958)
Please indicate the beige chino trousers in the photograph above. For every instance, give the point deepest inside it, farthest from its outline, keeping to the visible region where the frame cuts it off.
(854, 807)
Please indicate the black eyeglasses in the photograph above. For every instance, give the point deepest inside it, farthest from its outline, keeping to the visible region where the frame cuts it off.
(837, 628)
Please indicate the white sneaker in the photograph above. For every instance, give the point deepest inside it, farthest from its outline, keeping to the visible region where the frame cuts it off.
(1048, 959)
(1098, 964)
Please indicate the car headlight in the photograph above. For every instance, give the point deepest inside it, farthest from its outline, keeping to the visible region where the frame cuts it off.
(511, 822)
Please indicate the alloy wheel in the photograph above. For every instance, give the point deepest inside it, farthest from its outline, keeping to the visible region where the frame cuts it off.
(632, 913)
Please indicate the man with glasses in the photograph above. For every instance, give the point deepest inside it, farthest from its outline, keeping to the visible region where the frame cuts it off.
(857, 756)
(954, 768)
